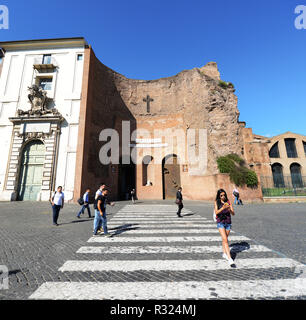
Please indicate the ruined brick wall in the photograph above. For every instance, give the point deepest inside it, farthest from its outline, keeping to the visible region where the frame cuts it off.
(192, 99)
(101, 108)
(196, 97)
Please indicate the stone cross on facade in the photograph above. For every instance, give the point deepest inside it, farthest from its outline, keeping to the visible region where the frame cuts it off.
(148, 100)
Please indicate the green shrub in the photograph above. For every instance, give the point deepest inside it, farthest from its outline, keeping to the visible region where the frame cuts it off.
(251, 179)
(225, 85)
(222, 84)
(237, 170)
(236, 158)
(225, 164)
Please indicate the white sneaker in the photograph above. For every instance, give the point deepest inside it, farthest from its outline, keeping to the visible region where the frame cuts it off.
(225, 256)
(231, 262)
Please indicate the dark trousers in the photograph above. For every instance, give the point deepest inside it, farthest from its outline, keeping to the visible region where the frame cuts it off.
(180, 207)
(85, 206)
(56, 209)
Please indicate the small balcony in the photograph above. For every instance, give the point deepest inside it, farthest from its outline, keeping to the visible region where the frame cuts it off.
(45, 63)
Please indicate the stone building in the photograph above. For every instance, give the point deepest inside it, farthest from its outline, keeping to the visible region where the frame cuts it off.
(279, 161)
(38, 128)
(67, 119)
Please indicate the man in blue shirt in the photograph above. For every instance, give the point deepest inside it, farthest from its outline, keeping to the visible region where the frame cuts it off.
(86, 204)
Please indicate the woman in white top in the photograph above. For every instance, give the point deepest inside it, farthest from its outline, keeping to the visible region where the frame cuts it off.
(57, 201)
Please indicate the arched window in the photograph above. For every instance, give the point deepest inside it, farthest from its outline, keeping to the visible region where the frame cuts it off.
(278, 178)
(274, 152)
(296, 177)
(291, 148)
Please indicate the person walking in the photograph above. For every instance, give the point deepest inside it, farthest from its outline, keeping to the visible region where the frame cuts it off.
(224, 210)
(57, 202)
(133, 194)
(179, 201)
(85, 205)
(100, 215)
(102, 186)
(99, 191)
(236, 195)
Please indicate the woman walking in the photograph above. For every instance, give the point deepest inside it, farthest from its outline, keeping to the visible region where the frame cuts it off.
(224, 210)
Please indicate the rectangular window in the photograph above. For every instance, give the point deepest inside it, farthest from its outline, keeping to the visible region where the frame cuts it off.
(80, 57)
(46, 59)
(45, 83)
(290, 147)
(304, 144)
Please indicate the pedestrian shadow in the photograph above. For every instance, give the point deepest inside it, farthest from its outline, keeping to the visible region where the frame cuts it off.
(188, 214)
(12, 272)
(119, 231)
(238, 247)
(127, 225)
(76, 221)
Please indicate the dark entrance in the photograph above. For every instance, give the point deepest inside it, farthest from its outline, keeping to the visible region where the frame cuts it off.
(126, 180)
(171, 176)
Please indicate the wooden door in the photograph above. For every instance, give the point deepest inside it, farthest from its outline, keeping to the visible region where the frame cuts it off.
(31, 171)
(171, 177)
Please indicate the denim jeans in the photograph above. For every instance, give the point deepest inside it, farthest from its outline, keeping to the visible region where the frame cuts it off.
(238, 200)
(85, 206)
(226, 226)
(56, 209)
(100, 221)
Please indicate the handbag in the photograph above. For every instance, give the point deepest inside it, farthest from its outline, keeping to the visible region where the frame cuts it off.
(81, 201)
(178, 201)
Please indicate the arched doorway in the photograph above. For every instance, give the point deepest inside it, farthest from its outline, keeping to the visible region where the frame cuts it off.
(31, 168)
(171, 176)
(296, 177)
(278, 178)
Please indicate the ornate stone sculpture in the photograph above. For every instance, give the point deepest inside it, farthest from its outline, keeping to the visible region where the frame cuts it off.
(38, 99)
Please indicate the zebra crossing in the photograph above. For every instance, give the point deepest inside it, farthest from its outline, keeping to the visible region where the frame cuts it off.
(178, 258)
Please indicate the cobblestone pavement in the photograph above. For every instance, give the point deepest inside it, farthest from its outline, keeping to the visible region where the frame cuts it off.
(152, 253)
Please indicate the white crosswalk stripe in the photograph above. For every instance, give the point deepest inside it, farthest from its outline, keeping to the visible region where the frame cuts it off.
(178, 265)
(285, 288)
(145, 230)
(162, 231)
(102, 239)
(165, 226)
(162, 249)
(157, 222)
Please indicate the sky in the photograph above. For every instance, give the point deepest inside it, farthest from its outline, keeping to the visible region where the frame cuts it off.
(254, 43)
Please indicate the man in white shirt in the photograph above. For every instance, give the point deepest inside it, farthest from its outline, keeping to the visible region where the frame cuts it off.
(57, 201)
(99, 191)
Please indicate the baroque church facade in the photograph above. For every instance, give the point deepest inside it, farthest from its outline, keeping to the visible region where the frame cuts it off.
(66, 119)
